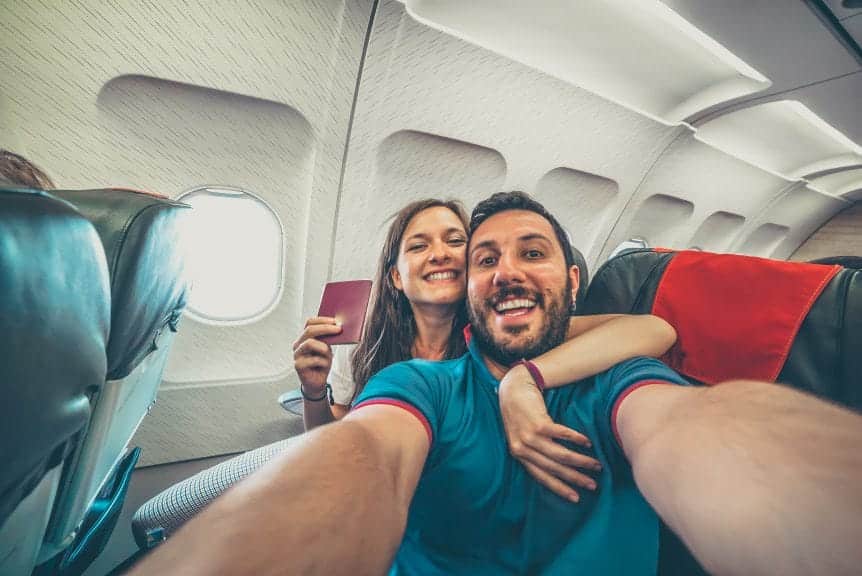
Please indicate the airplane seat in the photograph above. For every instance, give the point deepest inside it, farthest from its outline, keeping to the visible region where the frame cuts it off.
(846, 261)
(55, 319)
(581, 263)
(140, 235)
(743, 317)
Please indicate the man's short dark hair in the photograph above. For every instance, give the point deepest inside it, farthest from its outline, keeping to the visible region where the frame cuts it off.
(502, 201)
(17, 171)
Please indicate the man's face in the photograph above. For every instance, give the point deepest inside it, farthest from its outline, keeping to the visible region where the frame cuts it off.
(518, 287)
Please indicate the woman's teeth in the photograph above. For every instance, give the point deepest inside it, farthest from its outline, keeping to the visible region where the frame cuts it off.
(441, 276)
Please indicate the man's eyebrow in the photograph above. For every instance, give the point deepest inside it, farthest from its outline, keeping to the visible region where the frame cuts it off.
(483, 244)
(534, 236)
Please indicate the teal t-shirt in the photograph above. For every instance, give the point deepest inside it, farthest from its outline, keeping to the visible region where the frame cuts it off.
(477, 510)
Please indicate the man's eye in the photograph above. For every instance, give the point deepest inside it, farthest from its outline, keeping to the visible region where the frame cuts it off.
(487, 261)
(531, 254)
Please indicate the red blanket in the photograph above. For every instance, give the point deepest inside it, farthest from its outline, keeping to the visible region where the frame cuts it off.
(735, 316)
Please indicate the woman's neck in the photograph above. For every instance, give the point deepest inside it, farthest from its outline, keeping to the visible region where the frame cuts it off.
(433, 330)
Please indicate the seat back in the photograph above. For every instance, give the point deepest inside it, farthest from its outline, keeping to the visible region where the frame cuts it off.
(54, 318)
(818, 309)
(140, 233)
(821, 357)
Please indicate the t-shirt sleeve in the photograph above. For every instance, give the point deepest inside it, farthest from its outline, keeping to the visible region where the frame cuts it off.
(407, 386)
(624, 378)
(340, 377)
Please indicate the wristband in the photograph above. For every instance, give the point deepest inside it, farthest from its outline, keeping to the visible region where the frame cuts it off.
(327, 393)
(534, 372)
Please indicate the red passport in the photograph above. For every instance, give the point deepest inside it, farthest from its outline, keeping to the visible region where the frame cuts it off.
(347, 302)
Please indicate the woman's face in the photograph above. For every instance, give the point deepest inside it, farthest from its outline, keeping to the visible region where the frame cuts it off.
(431, 265)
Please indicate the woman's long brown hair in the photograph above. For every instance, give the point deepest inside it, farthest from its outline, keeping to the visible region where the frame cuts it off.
(390, 327)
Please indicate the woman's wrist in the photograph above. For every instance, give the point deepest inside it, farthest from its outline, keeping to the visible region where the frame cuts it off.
(534, 372)
(317, 396)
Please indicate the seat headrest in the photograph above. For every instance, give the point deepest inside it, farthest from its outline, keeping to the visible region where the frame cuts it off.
(846, 261)
(54, 323)
(581, 263)
(744, 317)
(141, 236)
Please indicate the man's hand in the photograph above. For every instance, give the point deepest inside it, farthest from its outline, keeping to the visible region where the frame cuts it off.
(532, 438)
(313, 358)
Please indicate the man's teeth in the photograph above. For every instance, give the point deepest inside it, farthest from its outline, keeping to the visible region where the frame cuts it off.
(513, 304)
(441, 276)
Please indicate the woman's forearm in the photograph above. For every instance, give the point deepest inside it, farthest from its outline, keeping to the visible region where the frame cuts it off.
(599, 342)
(316, 413)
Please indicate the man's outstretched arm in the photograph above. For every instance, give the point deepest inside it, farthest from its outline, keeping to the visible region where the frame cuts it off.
(334, 502)
(756, 478)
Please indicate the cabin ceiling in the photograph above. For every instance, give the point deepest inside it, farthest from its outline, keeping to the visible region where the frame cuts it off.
(688, 123)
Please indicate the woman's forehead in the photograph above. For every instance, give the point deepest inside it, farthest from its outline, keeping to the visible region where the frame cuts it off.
(433, 220)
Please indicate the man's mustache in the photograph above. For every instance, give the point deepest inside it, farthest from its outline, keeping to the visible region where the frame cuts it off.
(517, 292)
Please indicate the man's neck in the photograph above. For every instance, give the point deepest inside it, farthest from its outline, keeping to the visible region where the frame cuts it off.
(496, 369)
(433, 330)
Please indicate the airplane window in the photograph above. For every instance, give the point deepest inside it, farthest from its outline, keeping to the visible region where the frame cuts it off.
(630, 244)
(235, 254)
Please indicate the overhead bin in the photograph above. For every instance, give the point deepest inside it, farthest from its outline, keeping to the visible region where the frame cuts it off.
(642, 55)
(784, 137)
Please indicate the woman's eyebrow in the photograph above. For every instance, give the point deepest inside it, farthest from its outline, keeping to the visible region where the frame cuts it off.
(417, 236)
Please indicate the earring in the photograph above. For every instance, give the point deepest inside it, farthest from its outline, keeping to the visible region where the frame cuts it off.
(573, 308)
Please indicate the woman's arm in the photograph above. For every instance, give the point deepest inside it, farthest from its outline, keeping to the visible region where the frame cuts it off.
(595, 344)
(312, 362)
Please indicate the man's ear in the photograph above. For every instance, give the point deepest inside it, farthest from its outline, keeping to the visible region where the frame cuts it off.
(575, 277)
(396, 278)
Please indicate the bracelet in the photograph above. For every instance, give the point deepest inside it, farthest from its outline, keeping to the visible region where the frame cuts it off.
(534, 372)
(327, 393)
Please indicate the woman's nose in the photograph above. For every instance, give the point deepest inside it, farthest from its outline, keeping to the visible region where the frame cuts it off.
(440, 253)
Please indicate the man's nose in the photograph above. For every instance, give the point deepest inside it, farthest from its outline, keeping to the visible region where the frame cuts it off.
(508, 271)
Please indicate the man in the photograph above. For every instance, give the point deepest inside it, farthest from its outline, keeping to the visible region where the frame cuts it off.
(756, 478)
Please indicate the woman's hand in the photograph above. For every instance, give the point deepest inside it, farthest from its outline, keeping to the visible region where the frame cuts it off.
(532, 438)
(312, 358)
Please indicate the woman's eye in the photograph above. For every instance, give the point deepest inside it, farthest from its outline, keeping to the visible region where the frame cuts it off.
(457, 241)
(415, 247)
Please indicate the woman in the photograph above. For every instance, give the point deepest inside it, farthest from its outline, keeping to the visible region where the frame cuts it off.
(418, 311)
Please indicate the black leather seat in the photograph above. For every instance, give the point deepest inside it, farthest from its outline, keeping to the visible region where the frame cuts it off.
(823, 358)
(141, 237)
(54, 319)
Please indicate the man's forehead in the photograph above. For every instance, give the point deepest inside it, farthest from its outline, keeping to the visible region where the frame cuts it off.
(512, 225)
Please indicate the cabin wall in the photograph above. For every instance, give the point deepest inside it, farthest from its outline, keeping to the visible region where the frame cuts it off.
(840, 236)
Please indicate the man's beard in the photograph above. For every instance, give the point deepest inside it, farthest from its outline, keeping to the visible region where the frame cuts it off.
(551, 334)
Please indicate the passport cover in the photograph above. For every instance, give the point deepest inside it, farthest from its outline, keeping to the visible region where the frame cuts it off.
(347, 302)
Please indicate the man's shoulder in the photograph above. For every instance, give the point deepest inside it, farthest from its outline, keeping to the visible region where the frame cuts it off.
(640, 369)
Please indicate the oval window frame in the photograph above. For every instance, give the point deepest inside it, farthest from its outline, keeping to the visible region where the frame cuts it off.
(226, 190)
